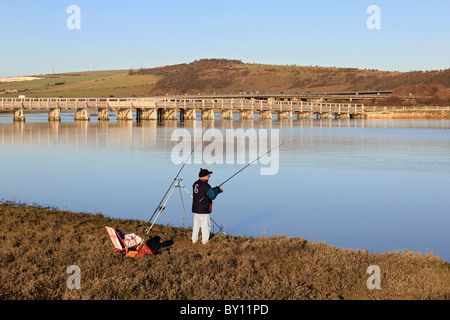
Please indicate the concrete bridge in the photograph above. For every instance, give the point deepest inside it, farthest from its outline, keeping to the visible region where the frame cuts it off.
(178, 108)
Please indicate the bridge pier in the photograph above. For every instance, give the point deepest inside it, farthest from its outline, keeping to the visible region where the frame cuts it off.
(103, 114)
(149, 114)
(208, 114)
(305, 115)
(19, 115)
(54, 114)
(342, 116)
(190, 114)
(227, 115)
(125, 114)
(246, 115)
(182, 114)
(357, 116)
(285, 115)
(169, 114)
(138, 114)
(265, 115)
(82, 114)
(324, 115)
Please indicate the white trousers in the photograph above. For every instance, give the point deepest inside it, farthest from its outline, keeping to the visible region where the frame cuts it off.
(201, 221)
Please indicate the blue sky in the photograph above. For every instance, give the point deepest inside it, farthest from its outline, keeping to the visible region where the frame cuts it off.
(34, 38)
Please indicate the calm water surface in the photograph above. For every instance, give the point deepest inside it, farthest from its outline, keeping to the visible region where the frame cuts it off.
(367, 184)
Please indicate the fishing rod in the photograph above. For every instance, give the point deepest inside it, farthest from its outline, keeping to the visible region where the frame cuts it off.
(161, 208)
(203, 199)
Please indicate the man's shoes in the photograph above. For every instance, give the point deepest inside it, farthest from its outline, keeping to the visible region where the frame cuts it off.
(204, 243)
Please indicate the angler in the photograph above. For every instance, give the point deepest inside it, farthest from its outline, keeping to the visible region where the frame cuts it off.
(162, 206)
(203, 197)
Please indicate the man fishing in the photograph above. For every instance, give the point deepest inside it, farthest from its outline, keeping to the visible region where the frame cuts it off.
(203, 197)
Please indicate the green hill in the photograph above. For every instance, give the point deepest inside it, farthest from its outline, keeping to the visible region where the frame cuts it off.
(207, 76)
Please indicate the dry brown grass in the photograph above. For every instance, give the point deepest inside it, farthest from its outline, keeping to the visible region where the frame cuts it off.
(38, 244)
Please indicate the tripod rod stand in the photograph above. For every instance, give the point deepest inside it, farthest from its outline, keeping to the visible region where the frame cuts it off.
(179, 185)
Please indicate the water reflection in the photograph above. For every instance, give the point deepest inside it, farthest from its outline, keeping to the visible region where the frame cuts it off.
(55, 132)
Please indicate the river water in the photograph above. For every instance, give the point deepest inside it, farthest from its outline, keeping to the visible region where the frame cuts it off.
(380, 185)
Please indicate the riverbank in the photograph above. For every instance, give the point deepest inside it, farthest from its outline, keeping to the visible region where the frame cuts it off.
(39, 244)
(408, 115)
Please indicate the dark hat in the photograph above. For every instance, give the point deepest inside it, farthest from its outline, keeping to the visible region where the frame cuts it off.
(204, 172)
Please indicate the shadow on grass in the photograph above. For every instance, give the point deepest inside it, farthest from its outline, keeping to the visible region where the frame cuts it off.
(157, 246)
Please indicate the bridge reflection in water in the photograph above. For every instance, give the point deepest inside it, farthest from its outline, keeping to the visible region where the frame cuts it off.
(143, 134)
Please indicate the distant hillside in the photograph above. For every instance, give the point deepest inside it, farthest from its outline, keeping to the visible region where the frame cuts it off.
(228, 76)
(233, 76)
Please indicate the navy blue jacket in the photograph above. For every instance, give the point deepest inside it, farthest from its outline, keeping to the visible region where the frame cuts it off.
(202, 189)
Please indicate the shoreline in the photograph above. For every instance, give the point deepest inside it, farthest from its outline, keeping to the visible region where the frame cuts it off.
(444, 115)
(39, 244)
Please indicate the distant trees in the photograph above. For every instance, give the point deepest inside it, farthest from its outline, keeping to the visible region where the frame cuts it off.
(213, 62)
